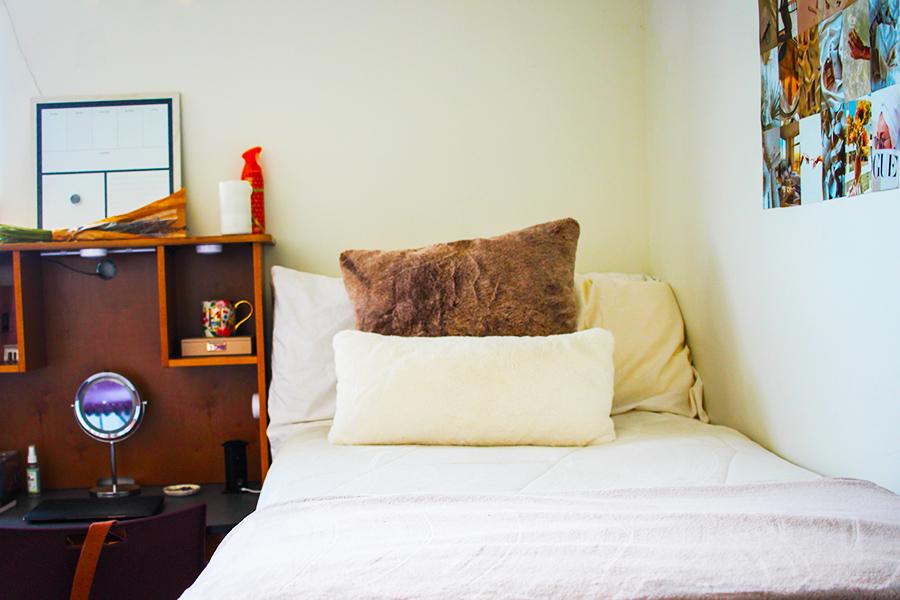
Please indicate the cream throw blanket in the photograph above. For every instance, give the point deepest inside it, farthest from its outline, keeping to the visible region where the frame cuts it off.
(830, 538)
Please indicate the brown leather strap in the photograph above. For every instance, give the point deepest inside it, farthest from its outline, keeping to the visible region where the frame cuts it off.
(87, 560)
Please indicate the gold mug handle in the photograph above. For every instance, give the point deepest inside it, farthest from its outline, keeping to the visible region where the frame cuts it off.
(244, 320)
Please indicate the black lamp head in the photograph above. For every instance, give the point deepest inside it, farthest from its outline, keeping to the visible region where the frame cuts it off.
(106, 269)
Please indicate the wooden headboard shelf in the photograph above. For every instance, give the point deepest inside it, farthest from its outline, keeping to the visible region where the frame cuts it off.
(67, 326)
(140, 243)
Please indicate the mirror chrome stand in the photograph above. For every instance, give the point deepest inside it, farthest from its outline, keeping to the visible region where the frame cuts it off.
(114, 489)
(109, 409)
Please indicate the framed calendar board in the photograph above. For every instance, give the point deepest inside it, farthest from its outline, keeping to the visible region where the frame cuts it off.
(103, 156)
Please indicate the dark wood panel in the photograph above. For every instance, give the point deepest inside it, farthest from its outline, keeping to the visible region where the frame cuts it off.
(93, 325)
(32, 340)
(164, 268)
(7, 302)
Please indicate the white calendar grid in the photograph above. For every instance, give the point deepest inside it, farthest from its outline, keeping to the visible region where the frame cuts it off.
(101, 158)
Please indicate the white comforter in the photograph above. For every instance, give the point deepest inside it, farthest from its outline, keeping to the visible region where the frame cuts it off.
(651, 450)
(834, 538)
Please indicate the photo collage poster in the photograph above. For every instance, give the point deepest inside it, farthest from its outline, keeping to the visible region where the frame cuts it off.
(830, 106)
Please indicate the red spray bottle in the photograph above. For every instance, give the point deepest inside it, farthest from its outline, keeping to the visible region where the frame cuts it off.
(253, 173)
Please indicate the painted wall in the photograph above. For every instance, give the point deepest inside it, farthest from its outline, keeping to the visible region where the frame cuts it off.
(385, 124)
(402, 123)
(793, 314)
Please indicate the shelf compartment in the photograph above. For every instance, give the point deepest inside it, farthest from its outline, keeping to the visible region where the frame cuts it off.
(185, 280)
(22, 306)
(8, 328)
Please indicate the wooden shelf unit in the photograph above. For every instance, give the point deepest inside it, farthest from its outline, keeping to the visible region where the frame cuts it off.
(27, 310)
(69, 326)
(264, 239)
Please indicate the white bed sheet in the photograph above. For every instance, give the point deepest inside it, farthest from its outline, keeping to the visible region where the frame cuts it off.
(651, 450)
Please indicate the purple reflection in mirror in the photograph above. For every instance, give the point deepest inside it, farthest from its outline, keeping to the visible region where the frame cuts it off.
(107, 405)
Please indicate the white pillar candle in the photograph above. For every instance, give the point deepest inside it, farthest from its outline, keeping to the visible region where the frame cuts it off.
(234, 207)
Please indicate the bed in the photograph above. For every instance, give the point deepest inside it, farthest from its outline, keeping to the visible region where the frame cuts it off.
(663, 505)
(673, 508)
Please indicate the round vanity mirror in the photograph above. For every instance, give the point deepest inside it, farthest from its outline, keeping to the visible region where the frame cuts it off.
(108, 408)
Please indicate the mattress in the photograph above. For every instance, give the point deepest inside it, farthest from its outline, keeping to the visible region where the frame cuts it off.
(651, 450)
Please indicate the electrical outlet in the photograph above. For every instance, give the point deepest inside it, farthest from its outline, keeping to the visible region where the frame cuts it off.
(10, 354)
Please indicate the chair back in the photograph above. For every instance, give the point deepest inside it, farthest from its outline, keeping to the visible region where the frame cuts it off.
(155, 558)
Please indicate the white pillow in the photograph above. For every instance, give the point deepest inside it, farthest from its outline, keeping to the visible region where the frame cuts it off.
(482, 391)
(309, 310)
(653, 362)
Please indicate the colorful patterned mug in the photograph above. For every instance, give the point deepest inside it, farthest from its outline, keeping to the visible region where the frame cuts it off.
(219, 317)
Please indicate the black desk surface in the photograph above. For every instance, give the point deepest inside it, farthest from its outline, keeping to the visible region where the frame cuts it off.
(223, 511)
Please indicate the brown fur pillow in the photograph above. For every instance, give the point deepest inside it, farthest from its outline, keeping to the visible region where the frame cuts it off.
(520, 283)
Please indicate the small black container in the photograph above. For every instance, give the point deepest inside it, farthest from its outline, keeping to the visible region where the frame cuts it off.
(235, 465)
(10, 478)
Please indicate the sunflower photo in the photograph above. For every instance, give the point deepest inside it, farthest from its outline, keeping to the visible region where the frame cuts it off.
(858, 132)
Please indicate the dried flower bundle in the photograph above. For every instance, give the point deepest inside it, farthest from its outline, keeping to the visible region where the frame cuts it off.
(163, 218)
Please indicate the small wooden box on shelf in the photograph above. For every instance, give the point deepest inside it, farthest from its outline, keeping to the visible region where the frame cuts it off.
(99, 325)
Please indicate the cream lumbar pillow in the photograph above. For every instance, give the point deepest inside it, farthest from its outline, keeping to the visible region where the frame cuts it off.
(653, 362)
(482, 391)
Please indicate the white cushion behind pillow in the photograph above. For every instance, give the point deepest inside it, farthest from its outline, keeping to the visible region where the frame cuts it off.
(309, 310)
(490, 391)
(653, 362)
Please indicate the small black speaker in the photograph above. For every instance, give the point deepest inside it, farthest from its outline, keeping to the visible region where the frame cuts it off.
(235, 465)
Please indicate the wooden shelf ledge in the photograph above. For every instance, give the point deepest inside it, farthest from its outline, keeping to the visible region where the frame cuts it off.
(9, 368)
(140, 243)
(212, 361)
